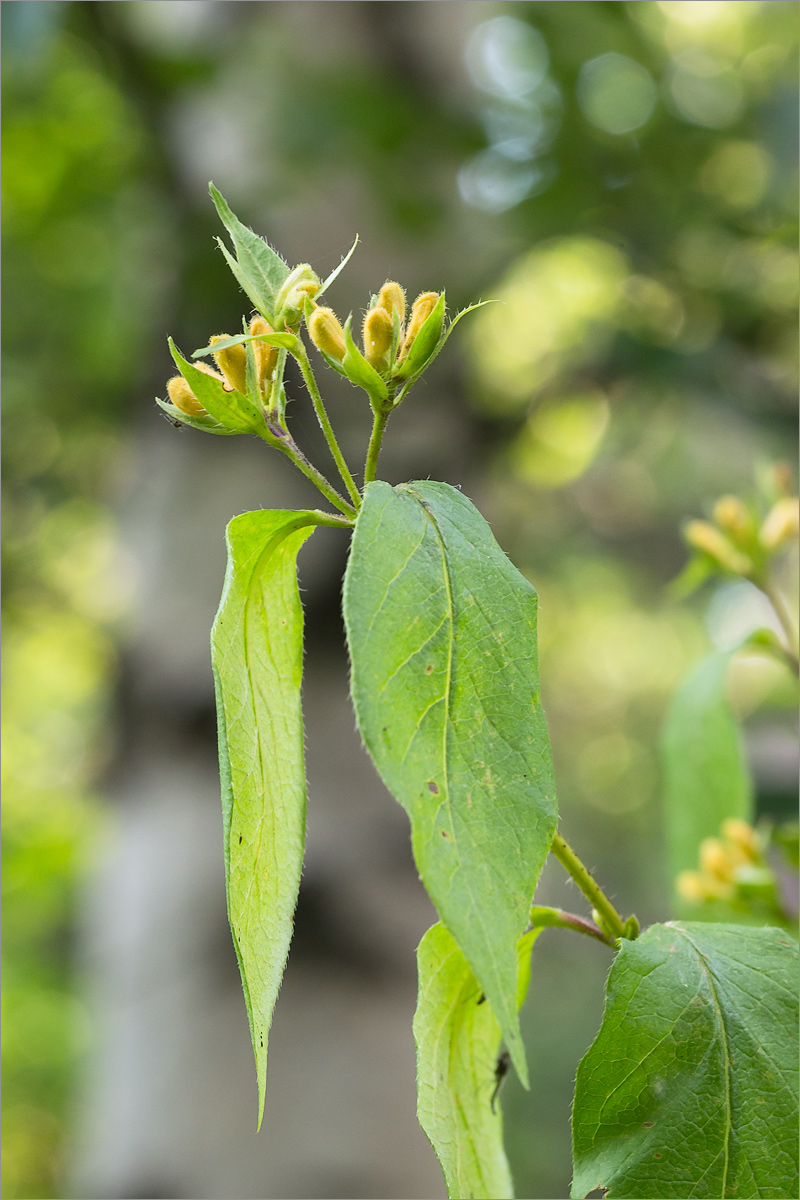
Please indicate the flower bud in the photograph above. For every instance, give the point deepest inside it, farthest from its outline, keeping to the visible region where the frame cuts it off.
(704, 536)
(232, 362)
(393, 299)
(715, 861)
(300, 285)
(182, 396)
(378, 334)
(421, 309)
(743, 837)
(326, 333)
(732, 516)
(266, 356)
(781, 524)
(691, 886)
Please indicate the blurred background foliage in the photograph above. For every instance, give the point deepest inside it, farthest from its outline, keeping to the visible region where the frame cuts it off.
(620, 176)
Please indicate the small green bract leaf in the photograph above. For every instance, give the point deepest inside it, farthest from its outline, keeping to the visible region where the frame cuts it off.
(425, 343)
(258, 268)
(690, 1088)
(706, 778)
(257, 654)
(359, 371)
(207, 424)
(458, 1039)
(442, 635)
(229, 408)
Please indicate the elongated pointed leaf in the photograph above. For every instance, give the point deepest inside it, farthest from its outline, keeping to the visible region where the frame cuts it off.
(690, 1088)
(458, 1039)
(257, 653)
(442, 635)
(207, 424)
(424, 343)
(259, 269)
(706, 778)
(359, 371)
(229, 408)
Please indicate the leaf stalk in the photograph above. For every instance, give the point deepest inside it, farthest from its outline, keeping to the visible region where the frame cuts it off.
(611, 919)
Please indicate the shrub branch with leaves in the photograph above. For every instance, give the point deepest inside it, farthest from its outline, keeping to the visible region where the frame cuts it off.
(688, 1088)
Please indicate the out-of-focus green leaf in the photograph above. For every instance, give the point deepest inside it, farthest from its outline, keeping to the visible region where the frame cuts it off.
(229, 408)
(690, 1088)
(258, 268)
(257, 653)
(442, 635)
(706, 778)
(458, 1039)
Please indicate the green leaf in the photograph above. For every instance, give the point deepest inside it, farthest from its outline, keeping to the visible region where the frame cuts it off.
(706, 778)
(285, 341)
(207, 424)
(336, 272)
(442, 635)
(257, 654)
(230, 408)
(258, 268)
(359, 371)
(458, 1039)
(690, 1088)
(409, 382)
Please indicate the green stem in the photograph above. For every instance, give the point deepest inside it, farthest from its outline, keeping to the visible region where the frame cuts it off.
(281, 440)
(591, 890)
(327, 428)
(785, 617)
(378, 426)
(325, 518)
(544, 916)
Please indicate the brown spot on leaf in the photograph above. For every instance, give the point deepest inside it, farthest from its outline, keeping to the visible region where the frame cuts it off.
(433, 787)
(429, 669)
(445, 834)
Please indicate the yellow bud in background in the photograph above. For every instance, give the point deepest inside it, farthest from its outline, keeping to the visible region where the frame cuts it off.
(326, 333)
(266, 356)
(393, 299)
(182, 396)
(233, 364)
(421, 309)
(378, 333)
(715, 861)
(732, 516)
(691, 886)
(706, 537)
(781, 524)
(743, 837)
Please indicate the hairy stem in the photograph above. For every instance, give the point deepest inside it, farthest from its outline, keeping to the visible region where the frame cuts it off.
(543, 916)
(378, 426)
(785, 617)
(591, 890)
(327, 428)
(284, 442)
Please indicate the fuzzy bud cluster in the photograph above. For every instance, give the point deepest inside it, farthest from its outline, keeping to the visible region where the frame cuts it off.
(731, 867)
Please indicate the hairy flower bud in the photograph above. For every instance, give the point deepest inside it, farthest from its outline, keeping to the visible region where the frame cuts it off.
(300, 285)
(232, 362)
(182, 396)
(326, 333)
(378, 333)
(704, 536)
(715, 861)
(266, 356)
(421, 309)
(742, 836)
(732, 516)
(393, 299)
(690, 886)
(781, 524)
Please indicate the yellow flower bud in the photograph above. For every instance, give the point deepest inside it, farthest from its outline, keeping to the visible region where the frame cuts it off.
(732, 516)
(742, 836)
(301, 284)
(393, 299)
(182, 396)
(326, 333)
(704, 536)
(781, 524)
(378, 333)
(233, 364)
(691, 886)
(715, 861)
(421, 309)
(266, 356)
